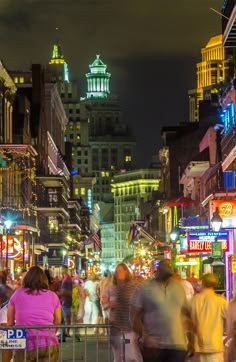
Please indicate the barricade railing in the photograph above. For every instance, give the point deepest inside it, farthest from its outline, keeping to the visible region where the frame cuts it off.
(86, 342)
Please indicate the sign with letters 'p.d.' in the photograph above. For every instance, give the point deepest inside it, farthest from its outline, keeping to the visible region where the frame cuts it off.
(13, 338)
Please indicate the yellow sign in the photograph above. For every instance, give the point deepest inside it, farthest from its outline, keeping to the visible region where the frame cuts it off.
(233, 263)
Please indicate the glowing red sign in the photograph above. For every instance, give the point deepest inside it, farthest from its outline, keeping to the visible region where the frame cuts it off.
(205, 246)
(201, 241)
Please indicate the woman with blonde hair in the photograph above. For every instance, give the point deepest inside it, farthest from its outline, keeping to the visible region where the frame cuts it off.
(35, 304)
(117, 297)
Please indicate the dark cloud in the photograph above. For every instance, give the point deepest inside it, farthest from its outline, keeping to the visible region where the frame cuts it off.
(146, 44)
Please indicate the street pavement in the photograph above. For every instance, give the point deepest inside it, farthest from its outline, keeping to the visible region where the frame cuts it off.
(88, 349)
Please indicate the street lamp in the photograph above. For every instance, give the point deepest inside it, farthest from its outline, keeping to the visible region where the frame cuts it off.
(8, 224)
(174, 234)
(216, 221)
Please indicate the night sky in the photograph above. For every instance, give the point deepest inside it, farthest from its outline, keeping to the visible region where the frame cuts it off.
(150, 46)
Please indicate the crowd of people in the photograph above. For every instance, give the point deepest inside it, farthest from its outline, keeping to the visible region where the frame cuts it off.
(165, 318)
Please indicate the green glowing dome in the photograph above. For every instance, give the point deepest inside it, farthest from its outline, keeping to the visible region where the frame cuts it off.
(98, 79)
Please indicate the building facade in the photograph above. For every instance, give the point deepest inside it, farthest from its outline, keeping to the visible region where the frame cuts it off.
(134, 192)
(211, 71)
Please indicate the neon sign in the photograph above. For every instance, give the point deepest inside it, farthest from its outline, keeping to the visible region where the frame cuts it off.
(227, 211)
(201, 241)
(14, 247)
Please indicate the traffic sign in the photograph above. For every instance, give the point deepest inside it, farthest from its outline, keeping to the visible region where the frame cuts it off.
(13, 338)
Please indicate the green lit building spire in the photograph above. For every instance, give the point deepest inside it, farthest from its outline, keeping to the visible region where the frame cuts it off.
(58, 65)
(98, 79)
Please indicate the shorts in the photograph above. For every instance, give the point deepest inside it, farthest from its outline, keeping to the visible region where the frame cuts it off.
(43, 354)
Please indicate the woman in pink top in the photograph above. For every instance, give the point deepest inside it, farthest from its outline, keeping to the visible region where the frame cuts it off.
(35, 304)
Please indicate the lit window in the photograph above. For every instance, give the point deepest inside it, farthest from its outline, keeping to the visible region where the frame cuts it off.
(78, 137)
(76, 191)
(128, 158)
(82, 191)
(16, 80)
(22, 79)
(103, 174)
(107, 174)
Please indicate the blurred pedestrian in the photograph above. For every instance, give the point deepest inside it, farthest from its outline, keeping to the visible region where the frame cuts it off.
(77, 299)
(188, 288)
(195, 282)
(5, 289)
(35, 304)
(104, 283)
(230, 341)
(91, 306)
(5, 293)
(208, 312)
(117, 297)
(48, 274)
(160, 305)
(65, 294)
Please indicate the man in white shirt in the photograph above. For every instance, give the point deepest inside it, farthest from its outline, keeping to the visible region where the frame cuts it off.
(208, 312)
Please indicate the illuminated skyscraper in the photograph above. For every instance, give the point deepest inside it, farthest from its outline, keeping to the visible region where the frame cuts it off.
(98, 79)
(107, 145)
(210, 73)
(60, 69)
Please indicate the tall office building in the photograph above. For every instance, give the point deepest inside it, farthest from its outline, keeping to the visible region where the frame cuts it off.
(102, 143)
(107, 145)
(69, 92)
(211, 72)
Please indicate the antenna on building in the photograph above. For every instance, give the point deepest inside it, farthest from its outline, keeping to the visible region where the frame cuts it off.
(217, 12)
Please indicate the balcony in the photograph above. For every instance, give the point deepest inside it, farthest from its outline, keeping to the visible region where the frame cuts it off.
(53, 193)
(229, 24)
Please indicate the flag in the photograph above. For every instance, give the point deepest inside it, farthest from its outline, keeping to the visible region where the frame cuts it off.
(96, 237)
(133, 233)
(148, 237)
(88, 241)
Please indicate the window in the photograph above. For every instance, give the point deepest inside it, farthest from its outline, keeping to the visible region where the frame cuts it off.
(22, 80)
(128, 158)
(82, 191)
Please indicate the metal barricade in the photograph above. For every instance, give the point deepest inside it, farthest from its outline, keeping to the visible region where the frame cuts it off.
(87, 342)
